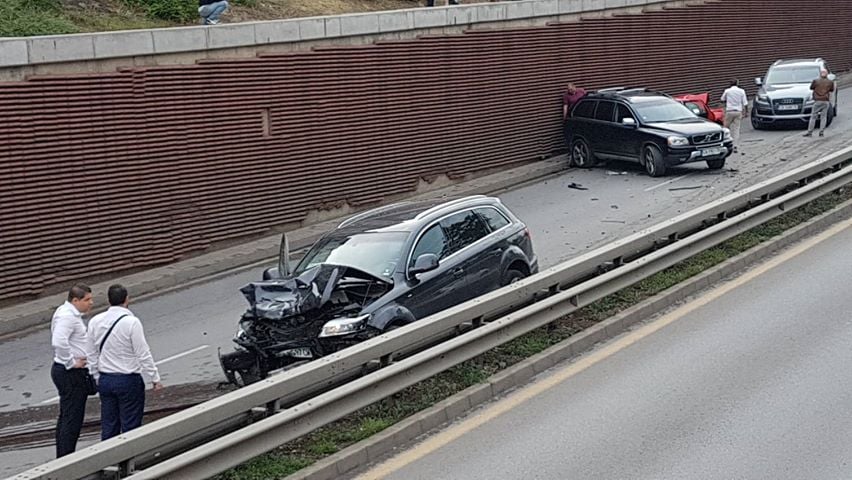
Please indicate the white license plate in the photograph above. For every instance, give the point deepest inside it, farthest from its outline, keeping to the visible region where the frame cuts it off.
(788, 107)
(709, 152)
(298, 353)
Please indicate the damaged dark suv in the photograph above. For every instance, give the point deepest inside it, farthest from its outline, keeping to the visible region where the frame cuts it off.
(377, 271)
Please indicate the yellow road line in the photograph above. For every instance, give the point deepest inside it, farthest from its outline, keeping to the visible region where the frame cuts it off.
(457, 430)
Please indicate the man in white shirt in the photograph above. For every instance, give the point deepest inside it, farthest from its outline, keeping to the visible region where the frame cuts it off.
(71, 348)
(736, 108)
(120, 358)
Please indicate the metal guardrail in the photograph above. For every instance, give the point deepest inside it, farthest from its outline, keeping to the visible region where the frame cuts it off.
(569, 286)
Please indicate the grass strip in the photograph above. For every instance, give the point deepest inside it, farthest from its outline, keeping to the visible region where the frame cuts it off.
(295, 455)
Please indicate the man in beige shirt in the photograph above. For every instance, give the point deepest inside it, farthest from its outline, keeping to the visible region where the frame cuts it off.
(822, 88)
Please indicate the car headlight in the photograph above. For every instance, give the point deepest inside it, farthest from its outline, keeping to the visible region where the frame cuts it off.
(727, 134)
(676, 141)
(240, 333)
(343, 326)
(763, 98)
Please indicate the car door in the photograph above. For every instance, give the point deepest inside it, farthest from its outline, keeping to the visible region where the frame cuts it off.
(627, 140)
(464, 231)
(432, 291)
(582, 119)
(602, 140)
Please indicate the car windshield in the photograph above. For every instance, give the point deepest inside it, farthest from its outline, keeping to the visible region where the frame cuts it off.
(667, 111)
(376, 253)
(782, 75)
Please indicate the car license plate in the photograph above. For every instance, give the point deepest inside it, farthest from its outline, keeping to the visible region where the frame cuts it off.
(709, 152)
(788, 107)
(298, 353)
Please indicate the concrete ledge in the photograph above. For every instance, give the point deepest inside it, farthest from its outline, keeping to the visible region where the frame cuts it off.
(94, 46)
(459, 404)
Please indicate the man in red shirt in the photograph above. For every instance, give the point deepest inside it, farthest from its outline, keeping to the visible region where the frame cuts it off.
(570, 98)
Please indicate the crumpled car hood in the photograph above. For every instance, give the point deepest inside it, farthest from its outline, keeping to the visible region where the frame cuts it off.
(288, 297)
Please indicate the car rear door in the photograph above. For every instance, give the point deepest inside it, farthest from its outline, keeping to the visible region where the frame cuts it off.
(604, 129)
(469, 254)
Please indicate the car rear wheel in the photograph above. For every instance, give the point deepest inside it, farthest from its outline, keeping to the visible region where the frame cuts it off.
(511, 276)
(581, 154)
(652, 158)
(716, 164)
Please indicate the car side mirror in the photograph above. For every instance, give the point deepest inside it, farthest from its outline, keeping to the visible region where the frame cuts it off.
(758, 81)
(629, 122)
(832, 77)
(271, 273)
(424, 263)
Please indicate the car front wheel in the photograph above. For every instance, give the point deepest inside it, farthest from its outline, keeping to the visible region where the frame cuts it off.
(652, 158)
(581, 154)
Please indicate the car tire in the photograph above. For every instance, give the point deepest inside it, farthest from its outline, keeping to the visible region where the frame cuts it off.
(652, 159)
(716, 164)
(755, 124)
(581, 154)
(511, 276)
(252, 375)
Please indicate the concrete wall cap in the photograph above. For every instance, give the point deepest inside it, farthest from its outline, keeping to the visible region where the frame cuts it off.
(129, 43)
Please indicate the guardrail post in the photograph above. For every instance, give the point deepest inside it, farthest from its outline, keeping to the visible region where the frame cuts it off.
(273, 407)
(126, 468)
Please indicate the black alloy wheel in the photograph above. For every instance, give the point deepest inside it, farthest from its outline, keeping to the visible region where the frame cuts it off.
(652, 158)
(581, 154)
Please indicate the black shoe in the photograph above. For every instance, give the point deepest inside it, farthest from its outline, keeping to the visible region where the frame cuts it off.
(809, 134)
(821, 134)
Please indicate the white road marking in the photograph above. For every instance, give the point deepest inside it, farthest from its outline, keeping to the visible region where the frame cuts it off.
(667, 182)
(167, 359)
(188, 352)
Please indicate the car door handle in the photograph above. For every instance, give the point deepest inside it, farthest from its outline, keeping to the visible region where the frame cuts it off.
(458, 271)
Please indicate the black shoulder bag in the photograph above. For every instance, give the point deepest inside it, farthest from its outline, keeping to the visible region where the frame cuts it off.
(91, 384)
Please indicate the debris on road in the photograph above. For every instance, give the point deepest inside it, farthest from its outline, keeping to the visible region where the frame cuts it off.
(613, 221)
(691, 187)
(576, 186)
(610, 172)
(614, 207)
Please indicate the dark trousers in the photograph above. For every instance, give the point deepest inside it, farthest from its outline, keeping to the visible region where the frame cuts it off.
(122, 403)
(71, 385)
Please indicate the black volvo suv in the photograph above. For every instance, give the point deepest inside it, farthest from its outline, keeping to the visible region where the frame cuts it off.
(376, 271)
(642, 125)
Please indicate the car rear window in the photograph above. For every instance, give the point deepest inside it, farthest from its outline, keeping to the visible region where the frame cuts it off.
(604, 111)
(585, 109)
(493, 218)
(463, 229)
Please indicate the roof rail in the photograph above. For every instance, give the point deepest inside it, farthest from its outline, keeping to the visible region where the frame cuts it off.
(442, 206)
(369, 213)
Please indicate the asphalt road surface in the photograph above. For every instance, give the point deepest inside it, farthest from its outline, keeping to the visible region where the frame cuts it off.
(567, 214)
(751, 380)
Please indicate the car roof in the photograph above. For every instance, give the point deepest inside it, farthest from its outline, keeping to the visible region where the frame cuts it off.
(409, 216)
(798, 61)
(633, 95)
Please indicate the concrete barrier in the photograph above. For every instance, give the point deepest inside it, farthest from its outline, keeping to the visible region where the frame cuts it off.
(16, 52)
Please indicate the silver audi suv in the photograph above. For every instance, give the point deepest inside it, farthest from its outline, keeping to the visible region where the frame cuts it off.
(784, 96)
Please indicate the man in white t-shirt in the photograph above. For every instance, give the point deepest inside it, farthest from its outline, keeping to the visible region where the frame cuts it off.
(736, 108)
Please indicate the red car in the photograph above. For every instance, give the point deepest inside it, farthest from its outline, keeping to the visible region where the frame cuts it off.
(698, 104)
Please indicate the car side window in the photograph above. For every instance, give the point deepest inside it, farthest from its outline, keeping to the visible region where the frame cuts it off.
(622, 112)
(463, 229)
(604, 111)
(433, 241)
(585, 109)
(494, 219)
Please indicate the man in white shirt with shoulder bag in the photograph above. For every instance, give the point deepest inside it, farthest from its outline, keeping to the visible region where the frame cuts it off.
(120, 358)
(736, 108)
